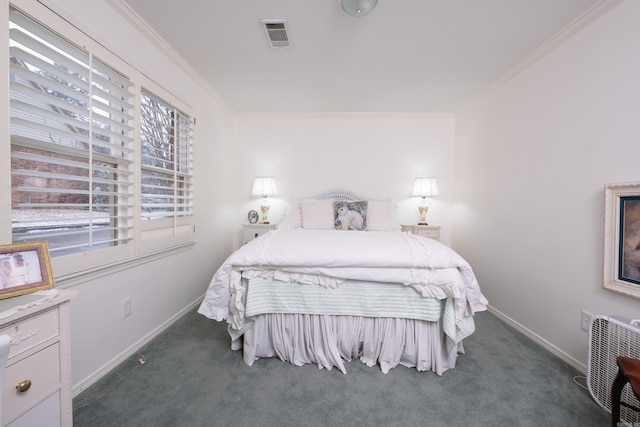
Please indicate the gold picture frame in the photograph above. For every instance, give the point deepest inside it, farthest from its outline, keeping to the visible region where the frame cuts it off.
(622, 239)
(24, 268)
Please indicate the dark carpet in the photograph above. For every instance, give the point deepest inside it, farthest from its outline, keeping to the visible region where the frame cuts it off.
(192, 378)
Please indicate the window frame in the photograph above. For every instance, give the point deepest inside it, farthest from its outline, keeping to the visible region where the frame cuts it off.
(163, 233)
(161, 240)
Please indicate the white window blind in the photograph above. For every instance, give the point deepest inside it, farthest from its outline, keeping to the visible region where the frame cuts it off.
(166, 164)
(72, 154)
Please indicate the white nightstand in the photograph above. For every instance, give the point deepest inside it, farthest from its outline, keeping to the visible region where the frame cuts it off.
(431, 231)
(253, 231)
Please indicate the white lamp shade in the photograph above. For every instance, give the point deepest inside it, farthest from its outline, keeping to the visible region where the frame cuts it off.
(264, 186)
(358, 7)
(425, 187)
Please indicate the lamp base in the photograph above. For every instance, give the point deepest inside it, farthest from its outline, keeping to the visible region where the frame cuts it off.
(264, 208)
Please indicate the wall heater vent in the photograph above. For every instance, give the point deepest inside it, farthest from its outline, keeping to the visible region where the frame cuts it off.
(610, 337)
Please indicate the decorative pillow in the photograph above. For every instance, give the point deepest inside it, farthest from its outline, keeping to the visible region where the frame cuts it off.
(317, 214)
(293, 216)
(381, 216)
(350, 215)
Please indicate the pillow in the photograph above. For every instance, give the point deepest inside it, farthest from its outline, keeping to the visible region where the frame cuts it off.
(381, 216)
(350, 215)
(293, 216)
(317, 214)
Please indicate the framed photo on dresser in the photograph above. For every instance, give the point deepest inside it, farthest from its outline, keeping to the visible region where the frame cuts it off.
(252, 217)
(24, 268)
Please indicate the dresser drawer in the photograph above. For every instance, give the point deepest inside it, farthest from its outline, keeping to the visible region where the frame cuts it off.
(46, 413)
(42, 369)
(31, 332)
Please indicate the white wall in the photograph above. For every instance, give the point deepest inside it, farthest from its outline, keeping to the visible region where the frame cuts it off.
(376, 155)
(162, 289)
(532, 158)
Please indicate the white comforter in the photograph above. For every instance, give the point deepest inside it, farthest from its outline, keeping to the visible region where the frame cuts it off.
(328, 257)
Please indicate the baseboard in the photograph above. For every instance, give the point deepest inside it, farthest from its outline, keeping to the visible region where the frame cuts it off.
(540, 341)
(93, 378)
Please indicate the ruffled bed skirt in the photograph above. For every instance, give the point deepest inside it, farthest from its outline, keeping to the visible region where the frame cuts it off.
(330, 340)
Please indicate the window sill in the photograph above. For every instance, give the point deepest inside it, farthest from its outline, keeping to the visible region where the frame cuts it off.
(75, 279)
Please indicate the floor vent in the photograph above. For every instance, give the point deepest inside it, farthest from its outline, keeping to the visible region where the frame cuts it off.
(610, 337)
(276, 31)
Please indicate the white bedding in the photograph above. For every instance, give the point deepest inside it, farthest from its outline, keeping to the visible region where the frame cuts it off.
(352, 298)
(328, 258)
(329, 341)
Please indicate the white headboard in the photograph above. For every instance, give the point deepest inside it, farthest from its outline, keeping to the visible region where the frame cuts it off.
(339, 194)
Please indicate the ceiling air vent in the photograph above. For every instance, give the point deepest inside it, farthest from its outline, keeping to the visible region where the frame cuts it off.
(276, 31)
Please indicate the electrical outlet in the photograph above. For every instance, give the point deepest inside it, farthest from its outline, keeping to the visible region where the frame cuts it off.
(126, 308)
(585, 320)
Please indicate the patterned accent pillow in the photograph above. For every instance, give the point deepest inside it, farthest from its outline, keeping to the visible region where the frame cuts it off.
(350, 215)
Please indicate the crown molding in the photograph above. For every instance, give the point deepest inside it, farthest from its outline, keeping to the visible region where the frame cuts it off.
(575, 26)
(152, 35)
(342, 115)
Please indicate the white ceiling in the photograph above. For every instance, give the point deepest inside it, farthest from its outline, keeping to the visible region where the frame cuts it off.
(405, 56)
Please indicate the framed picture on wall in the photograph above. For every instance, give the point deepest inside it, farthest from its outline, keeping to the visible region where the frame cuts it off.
(24, 268)
(622, 238)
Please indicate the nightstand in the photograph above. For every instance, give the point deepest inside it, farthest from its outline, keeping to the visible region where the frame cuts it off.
(431, 231)
(253, 231)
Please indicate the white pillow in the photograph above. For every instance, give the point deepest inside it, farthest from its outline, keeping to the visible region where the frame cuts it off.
(293, 216)
(381, 216)
(317, 214)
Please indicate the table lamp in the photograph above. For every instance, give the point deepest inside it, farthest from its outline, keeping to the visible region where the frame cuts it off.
(424, 187)
(265, 187)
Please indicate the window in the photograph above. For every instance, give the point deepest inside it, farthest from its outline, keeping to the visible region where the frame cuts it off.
(77, 151)
(165, 144)
(71, 144)
(165, 214)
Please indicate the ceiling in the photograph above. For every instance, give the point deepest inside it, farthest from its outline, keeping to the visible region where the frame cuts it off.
(405, 56)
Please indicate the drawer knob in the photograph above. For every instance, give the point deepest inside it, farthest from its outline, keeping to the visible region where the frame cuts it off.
(23, 386)
(256, 235)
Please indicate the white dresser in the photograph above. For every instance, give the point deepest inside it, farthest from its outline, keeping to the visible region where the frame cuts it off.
(37, 379)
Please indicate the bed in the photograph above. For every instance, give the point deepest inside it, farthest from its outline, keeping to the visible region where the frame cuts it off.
(339, 281)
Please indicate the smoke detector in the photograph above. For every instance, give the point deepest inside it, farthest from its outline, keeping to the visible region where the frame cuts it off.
(276, 31)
